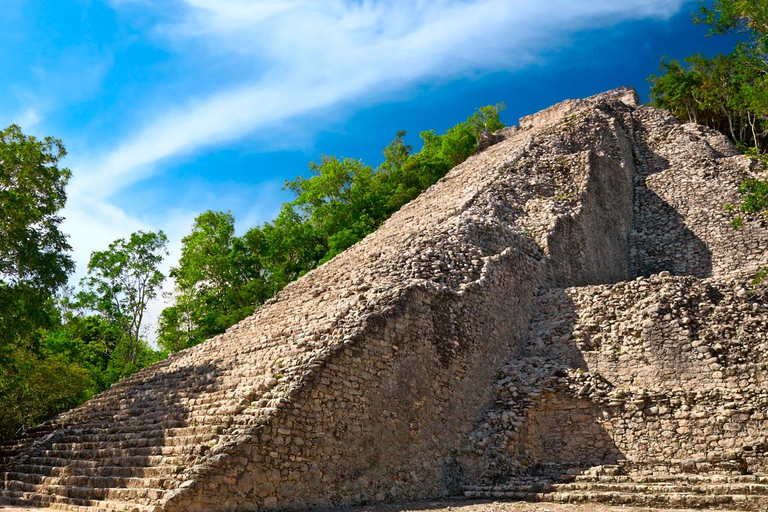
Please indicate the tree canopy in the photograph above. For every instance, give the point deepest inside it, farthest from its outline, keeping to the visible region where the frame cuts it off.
(727, 92)
(219, 281)
(122, 280)
(34, 259)
(34, 265)
(748, 17)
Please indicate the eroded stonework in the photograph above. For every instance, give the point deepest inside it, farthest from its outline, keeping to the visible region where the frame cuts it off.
(490, 332)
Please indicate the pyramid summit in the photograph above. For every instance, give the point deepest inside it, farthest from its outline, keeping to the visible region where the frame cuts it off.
(564, 316)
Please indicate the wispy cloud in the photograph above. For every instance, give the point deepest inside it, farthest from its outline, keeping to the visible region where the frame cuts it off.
(309, 55)
(27, 119)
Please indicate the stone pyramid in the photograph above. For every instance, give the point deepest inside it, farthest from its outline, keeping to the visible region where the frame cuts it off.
(564, 316)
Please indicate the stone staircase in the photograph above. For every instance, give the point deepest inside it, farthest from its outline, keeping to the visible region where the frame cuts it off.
(93, 459)
(10, 449)
(610, 485)
(123, 467)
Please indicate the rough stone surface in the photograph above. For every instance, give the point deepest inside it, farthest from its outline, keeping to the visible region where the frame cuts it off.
(463, 506)
(569, 298)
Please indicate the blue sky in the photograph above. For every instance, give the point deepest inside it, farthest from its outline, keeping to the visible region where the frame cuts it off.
(172, 107)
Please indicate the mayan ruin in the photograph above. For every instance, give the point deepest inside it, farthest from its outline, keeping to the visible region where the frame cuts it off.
(566, 316)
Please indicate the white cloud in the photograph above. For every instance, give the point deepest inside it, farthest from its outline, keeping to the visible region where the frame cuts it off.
(27, 119)
(317, 54)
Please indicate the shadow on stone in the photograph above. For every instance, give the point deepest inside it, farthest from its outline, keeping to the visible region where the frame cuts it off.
(543, 428)
(660, 240)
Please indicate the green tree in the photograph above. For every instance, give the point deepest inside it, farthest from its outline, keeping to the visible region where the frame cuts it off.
(121, 281)
(397, 179)
(290, 246)
(341, 201)
(87, 341)
(33, 251)
(460, 141)
(34, 264)
(129, 357)
(407, 174)
(218, 282)
(34, 388)
(748, 17)
(727, 92)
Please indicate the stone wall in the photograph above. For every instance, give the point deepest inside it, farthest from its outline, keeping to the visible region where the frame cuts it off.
(686, 175)
(661, 372)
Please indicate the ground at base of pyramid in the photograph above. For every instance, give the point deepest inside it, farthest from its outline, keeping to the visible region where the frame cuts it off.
(467, 506)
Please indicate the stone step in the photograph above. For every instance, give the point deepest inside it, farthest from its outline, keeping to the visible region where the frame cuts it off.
(647, 488)
(137, 495)
(39, 430)
(165, 471)
(193, 398)
(90, 481)
(137, 462)
(103, 506)
(131, 448)
(7, 455)
(106, 411)
(9, 451)
(150, 418)
(24, 499)
(670, 500)
(13, 447)
(136, 426)
(18, 442)
(634, 478)
(676, 477)
(141, 419)
(136, 443)
(140, 427)
(81, 437)
(108, 452)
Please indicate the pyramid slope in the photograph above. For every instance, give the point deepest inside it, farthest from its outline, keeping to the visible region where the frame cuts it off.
(649, 391)
(446, 286)
(362, 380)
